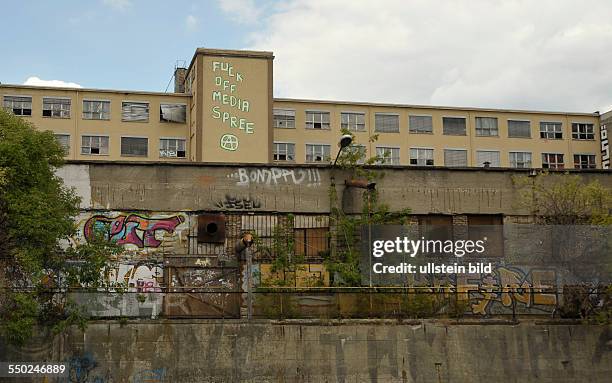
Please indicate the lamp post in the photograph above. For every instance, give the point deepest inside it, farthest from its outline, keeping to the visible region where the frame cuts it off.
(344, 142)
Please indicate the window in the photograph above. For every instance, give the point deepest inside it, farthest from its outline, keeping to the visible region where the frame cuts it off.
(19, 105)
(173, 113)
(520, 159)
(487, 158)
(518, 128)
(552, 161)
(453, 126)
(172, 147)
(421, 157)
(420, 124)
(317, 120)
(486, 126)
(94, 145)
(584, 161)
(455, 157)
(386, 123)
(436, 227)
(355, 122)
(96, 110)
(311, 235)
(134, 111)
(489, 226)
(317, 152)
(284, 119)
(64, 141)
(388, 155)
(582, 131)
(284, 151)
(56, 107)
(134, 146)
(551, 130)
(359, 151)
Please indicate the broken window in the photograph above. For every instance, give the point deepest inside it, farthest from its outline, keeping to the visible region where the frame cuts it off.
(173, 113)
(19, 105)
(96, 110)
(56, 107)
(172, 147)
(94, 145)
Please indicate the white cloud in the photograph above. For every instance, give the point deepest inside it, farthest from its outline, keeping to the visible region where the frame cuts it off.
(546, 54)
(119, 5)
(241, 11)
(191, 22)
(35, 81)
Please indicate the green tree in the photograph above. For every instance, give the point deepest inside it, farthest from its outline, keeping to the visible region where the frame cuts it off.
(38, 267)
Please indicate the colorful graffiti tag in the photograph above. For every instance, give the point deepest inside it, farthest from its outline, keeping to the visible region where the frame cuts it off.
(133, 229)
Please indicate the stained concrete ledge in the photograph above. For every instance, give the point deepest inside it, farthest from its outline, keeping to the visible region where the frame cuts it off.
(307, 351)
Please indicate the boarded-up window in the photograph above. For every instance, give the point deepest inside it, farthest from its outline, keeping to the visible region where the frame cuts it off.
(519, 128)
(96, 110)
(454, 126)
(386, 123)
(135, 111)
(455, 157)
(311, 235)
(436, 227)
(173, 113)
(488, 228)
(134, 146)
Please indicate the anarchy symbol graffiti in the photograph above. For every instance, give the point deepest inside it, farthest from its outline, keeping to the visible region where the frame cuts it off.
(229, 142)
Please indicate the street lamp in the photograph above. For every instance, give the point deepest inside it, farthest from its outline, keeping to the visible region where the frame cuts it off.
(344, 142)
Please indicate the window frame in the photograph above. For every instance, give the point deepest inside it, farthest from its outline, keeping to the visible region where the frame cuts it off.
(313, 122)
(554, 133)
(465, 129)
(556, 163)
(99, 136)
(478, 131)
(466, 151)
(354, 123)
(418, 150)
(62, 111)
(66, 148)
(88, 100)
(384, 162)
(517, 120)
(132, 155)
(410, 131)
(576, 135)
(478, 164)
(12, 108)
(514, 164)
(177, 139)
(286, 152)
(383, 114)
(148, 111)
(274, 120)
(161, 114)
(594, 164)
(313, 144)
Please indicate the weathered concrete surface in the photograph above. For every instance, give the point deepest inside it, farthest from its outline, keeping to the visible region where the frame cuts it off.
(295, 189)
(233, 351)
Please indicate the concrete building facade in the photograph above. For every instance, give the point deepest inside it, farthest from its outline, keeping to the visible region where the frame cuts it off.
(224, 111)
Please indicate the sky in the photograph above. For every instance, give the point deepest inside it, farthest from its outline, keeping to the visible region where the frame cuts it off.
(516, 54)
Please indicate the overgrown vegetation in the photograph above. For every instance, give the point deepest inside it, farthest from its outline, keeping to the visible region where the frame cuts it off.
(343, 260)
(38, 267)
(565, 199)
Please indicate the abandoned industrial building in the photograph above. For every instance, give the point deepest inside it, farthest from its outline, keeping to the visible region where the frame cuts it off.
(223, 106)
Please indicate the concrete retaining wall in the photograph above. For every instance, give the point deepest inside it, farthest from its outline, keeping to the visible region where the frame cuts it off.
(209, 351)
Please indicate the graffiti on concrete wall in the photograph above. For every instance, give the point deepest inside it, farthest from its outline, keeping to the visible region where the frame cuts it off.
(238, 203)
(133, 229)
(276, 176)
